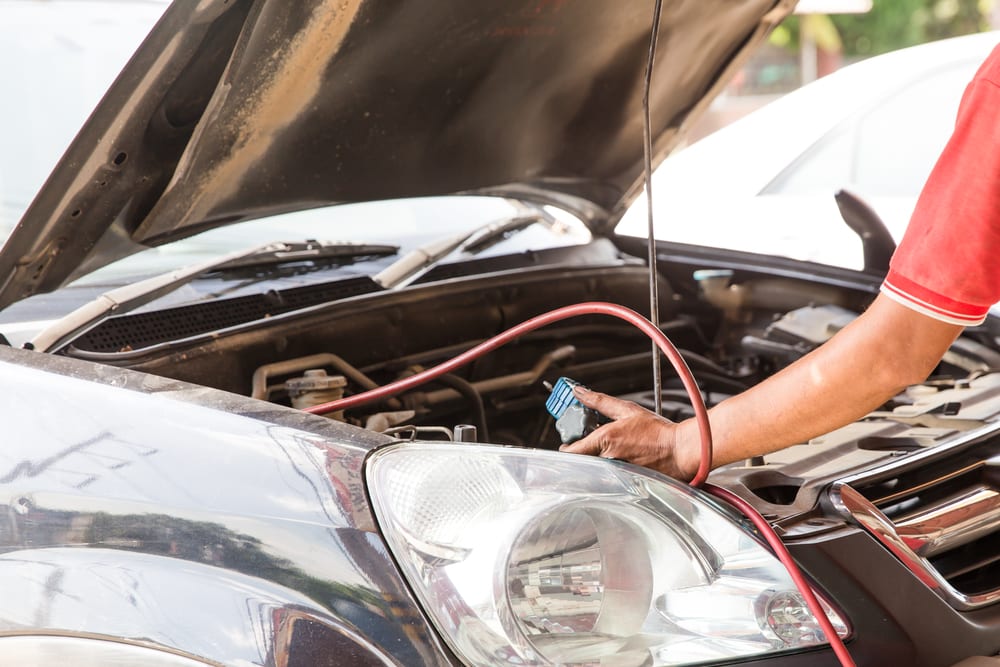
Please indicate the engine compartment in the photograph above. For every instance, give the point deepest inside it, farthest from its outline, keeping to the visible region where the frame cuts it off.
(734, 324)
(894, 473)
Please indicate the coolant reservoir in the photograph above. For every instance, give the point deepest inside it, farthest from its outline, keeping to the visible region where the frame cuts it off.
(314, 388)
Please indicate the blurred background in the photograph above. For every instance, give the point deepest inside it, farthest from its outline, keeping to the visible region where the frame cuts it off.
(848, 104)
(826, 35)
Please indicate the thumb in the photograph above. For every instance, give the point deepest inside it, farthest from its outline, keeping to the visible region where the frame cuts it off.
(593, 443)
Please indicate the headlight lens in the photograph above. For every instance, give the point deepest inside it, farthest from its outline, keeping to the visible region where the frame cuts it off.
(538, 558)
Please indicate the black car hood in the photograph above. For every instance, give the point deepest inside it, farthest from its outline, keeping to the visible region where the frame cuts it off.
(235, 109)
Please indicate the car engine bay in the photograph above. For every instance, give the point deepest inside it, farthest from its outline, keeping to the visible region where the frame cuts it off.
(733, 327)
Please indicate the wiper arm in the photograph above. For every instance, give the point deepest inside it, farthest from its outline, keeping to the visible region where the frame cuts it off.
(416, 263)
(283, 253)
(129, 297)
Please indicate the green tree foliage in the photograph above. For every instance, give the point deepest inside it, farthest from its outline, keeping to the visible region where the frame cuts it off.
(894, 24)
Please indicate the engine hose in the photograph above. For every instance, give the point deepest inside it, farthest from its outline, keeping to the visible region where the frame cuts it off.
(469, 392)
(566, 312)
(701, 416)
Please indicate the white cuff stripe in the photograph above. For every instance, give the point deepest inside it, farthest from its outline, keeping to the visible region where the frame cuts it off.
(938, 313)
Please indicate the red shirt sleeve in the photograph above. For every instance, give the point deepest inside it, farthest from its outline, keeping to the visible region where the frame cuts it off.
(948, 263)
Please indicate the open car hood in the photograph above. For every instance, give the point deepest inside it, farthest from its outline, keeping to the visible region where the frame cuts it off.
(235, 109)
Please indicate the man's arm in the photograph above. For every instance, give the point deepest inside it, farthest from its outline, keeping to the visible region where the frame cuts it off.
(884, 350)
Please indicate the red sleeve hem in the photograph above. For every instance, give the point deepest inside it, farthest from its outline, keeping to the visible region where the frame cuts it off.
(917, 297)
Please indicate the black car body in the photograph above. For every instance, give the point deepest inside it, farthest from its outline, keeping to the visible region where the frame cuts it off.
(167, 506)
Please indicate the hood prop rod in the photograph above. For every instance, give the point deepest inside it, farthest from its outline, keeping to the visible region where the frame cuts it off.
(647, 141)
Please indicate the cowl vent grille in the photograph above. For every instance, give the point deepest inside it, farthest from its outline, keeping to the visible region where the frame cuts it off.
(136, 331)
(939, 513)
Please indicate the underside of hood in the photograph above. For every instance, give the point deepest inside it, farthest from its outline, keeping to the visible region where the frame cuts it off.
(236, 109)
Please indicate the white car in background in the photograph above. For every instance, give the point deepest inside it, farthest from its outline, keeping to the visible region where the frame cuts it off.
(766, 183)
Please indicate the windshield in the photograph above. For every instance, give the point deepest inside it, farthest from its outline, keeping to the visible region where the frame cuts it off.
(407, 223)
(67, 53)
(888, 149)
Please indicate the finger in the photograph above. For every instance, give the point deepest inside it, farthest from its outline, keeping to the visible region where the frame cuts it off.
(609, 406)
(592, 444)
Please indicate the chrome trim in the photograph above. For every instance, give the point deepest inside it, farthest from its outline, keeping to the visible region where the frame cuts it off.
(957, 520)
(939, 451)
(917, 488)
(949, 524)
(855, 506)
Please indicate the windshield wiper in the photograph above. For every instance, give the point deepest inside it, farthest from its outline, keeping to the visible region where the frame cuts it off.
(129, 297)
(416, 263)
(284, 253)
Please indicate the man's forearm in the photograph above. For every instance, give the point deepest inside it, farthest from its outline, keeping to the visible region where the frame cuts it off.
(884, 350)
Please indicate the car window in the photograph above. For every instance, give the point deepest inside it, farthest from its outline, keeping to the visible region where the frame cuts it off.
(888, 149)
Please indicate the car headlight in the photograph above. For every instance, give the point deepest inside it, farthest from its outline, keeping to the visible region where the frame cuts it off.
(539, 558)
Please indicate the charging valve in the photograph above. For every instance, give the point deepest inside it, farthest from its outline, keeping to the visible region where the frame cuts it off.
(573, 419)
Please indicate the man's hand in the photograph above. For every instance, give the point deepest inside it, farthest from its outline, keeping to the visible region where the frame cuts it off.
(636, 435)
(874, 357)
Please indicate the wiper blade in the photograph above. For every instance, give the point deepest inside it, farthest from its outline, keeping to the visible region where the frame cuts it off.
(284, 253)
(129, 297)
(416, 263)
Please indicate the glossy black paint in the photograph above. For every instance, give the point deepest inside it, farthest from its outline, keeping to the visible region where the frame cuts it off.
(171, 515)
(156, 512)
(243, 108)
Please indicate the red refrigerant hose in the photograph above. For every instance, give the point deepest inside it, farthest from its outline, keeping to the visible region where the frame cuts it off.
(577, 310)
(690, 385)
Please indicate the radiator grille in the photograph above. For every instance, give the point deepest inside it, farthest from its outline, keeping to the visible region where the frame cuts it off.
(939, 513)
